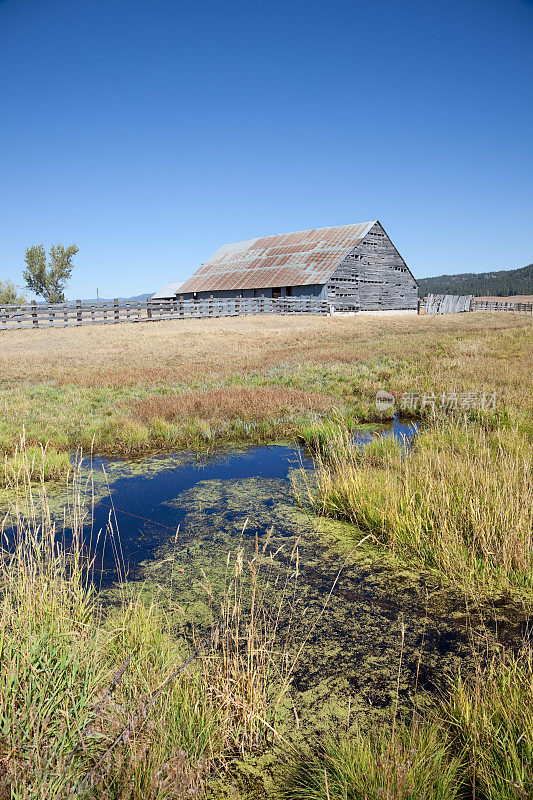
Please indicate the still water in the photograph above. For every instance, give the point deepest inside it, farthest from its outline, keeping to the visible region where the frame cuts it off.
(178, 518)
(144, 494)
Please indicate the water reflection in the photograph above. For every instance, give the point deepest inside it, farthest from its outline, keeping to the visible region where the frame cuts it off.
(403, 432)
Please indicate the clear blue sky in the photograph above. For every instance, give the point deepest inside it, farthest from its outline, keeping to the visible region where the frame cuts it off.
(149, 133)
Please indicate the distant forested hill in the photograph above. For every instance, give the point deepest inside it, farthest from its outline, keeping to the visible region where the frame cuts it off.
(486, 284)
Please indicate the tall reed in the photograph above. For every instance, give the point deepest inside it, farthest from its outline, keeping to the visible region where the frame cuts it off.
(460, 501)
(250, 663)
(49, 635)
(491, 717)
(59, 650)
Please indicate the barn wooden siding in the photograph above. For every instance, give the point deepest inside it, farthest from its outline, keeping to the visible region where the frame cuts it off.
(373, 277)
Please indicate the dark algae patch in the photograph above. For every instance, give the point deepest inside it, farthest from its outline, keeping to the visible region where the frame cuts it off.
(373, 634)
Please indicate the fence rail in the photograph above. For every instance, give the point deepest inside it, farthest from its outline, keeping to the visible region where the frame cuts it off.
(41, 315)
(454, 304)
(499, 305)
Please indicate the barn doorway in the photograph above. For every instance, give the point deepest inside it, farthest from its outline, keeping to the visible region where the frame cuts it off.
(276, 292)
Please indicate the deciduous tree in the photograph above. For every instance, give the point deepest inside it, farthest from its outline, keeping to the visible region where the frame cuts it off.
(49, 280)
(9, 293)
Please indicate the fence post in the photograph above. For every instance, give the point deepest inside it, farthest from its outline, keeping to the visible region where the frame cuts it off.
(34, 318)
(116, 309)
(78, 311)
(148, 308)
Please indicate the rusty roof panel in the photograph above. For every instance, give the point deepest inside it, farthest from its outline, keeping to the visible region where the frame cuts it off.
(288, 259)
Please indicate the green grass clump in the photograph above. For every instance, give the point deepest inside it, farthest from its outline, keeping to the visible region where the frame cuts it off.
(58, 654)
(407, 763)
(60, 648)
(40, 462)
(49, 678)
(460, 501)
(491, 717)
(477, 742)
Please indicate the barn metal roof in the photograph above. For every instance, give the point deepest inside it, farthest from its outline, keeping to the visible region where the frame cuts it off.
(285, 259)
(170, 289)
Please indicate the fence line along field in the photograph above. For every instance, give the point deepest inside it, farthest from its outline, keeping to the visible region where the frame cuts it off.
(44, 315)
(453, 304)
(39, 315)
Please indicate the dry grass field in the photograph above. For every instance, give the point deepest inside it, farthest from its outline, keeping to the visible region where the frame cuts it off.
(174, 350)
(132, 388)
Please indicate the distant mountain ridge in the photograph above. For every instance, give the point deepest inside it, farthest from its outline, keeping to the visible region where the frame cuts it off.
(501, 283)
(138, 298)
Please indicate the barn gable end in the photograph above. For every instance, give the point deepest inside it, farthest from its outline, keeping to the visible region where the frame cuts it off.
(373, 277)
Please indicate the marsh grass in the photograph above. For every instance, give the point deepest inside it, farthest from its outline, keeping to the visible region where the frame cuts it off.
(411, 763)
(251, 660)
(491, 717)
(230, 402)
(475, 741)
(140, 420)
(459, 502)
(59, 649)
(38, 462)
(198, 383)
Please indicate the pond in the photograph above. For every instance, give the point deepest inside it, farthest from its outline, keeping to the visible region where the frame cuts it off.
(179, 516)
(149, 498)
(373, 633)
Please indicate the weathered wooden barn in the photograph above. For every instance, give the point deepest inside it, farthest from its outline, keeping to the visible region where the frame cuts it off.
(354, 267)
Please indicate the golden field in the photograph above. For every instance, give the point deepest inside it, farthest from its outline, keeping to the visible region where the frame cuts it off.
(478, 346)
(132, 388)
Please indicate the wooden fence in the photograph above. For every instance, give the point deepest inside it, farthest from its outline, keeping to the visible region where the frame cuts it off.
(454, 304)
(499, 305)
(448, 303)
(41, 315)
